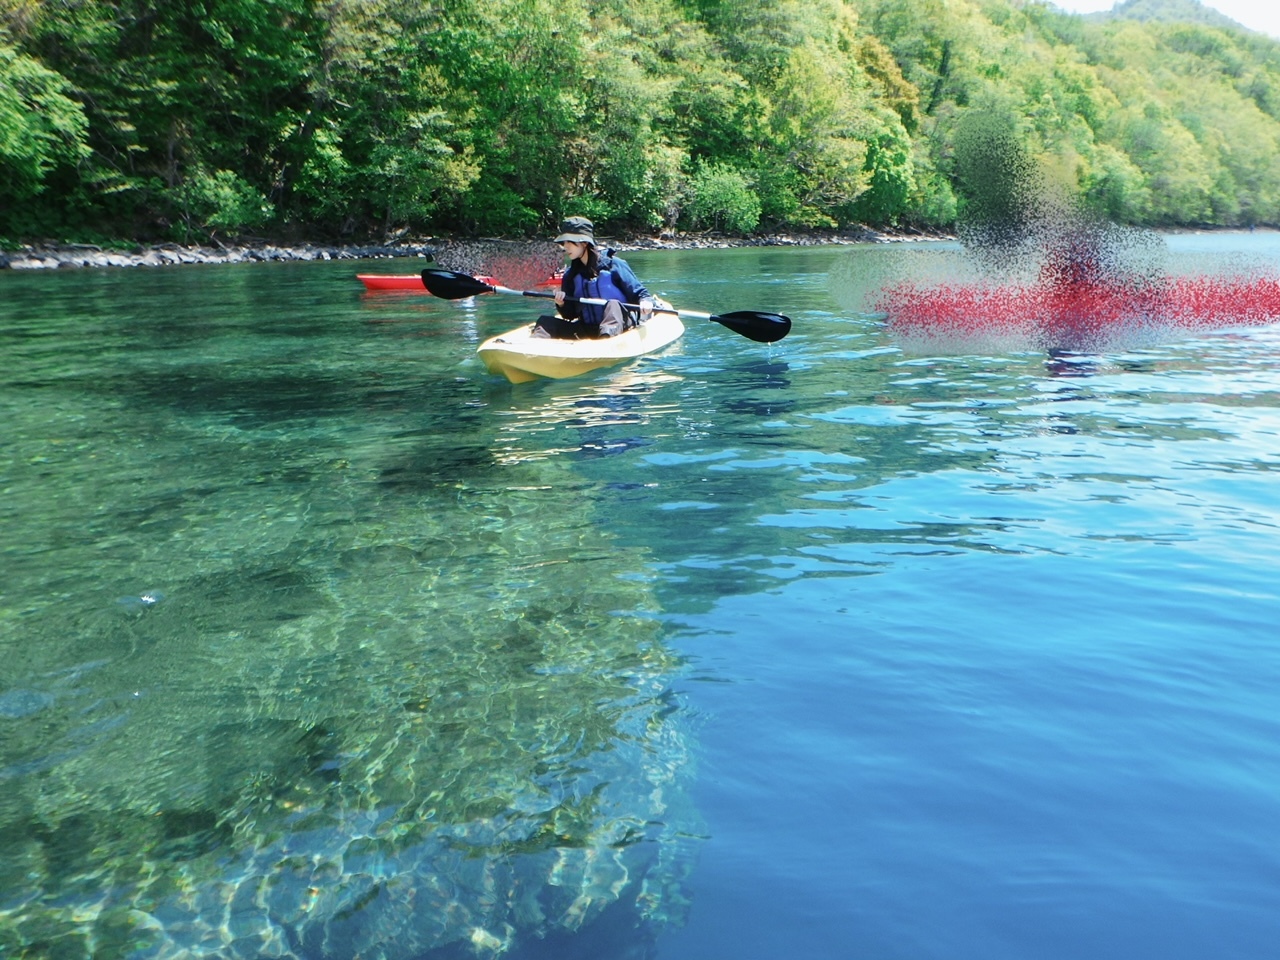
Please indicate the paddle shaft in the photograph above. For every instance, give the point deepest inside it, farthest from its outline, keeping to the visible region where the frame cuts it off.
(626, 306)
(752, 324)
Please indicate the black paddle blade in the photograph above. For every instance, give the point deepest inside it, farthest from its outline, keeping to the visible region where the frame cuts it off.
(754, 325)
(448, 285)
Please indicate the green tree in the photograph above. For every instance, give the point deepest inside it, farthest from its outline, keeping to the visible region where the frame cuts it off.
(41, 126)
(815, 159)
(384, 143)
(1113, 187)
(174, 89)
(519, 69)
(723, 200)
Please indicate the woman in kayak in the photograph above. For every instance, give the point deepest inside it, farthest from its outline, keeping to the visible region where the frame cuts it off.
(598, 276)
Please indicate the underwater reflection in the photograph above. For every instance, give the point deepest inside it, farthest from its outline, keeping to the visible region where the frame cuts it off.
(581, 418)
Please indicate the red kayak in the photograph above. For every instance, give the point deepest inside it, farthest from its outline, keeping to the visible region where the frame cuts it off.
(374, 281)
(1078, 316)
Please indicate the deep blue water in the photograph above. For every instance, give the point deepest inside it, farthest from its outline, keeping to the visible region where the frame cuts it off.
(820, 649)
(1017, 695)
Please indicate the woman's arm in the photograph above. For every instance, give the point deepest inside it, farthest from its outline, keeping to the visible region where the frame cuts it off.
(629, 283)
(570, 310)
(634, 289)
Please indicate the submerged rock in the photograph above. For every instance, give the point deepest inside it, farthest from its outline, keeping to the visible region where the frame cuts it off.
(18, 703)
(354, 748)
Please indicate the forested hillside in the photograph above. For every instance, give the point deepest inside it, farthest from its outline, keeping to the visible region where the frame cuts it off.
(154, 119)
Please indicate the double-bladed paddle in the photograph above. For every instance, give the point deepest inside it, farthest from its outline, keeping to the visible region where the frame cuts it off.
(752, 324)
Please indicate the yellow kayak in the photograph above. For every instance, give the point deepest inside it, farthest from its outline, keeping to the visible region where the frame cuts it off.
(521, 357)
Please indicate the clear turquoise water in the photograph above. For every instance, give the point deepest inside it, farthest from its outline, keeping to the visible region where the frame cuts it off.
(316, 640)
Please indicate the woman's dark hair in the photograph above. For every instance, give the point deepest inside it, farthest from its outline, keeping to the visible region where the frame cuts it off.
(591, 269)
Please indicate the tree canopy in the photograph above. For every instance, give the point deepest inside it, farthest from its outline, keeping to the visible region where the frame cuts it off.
(357, 118)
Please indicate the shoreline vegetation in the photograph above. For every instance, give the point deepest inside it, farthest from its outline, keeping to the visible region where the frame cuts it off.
(193, 127)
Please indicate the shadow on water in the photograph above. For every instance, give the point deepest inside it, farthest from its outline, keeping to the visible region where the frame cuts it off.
(269, 396)
(750, 388)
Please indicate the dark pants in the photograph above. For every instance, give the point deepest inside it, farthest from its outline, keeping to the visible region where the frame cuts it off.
(615, 321)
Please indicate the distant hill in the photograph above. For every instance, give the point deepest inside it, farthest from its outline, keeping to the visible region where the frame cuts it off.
(1169, 11)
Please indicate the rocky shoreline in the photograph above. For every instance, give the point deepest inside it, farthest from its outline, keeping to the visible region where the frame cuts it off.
(42, 256)
(52, 255)
(72, 256)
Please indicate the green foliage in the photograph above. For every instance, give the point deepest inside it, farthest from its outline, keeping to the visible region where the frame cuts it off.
(384, 143)
(723, 199)
(220, 201)
(892, 188)
(1114, 187)
(171, 90)
(517, 66)
(933, 203)
(41, 127)
(144, 119)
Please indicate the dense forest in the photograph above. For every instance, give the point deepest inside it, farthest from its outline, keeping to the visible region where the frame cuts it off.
(292, 119)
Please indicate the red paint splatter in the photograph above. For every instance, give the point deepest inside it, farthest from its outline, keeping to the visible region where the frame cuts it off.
(1077, 315)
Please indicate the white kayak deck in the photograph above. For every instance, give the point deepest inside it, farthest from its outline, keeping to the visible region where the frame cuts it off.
(521, 357)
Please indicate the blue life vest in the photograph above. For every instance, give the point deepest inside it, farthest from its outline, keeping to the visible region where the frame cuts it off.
(616, 281)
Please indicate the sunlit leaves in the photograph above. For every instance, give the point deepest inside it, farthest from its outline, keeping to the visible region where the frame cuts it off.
(816, 124)
(41, 127)
(723, 199)
(221, 200)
